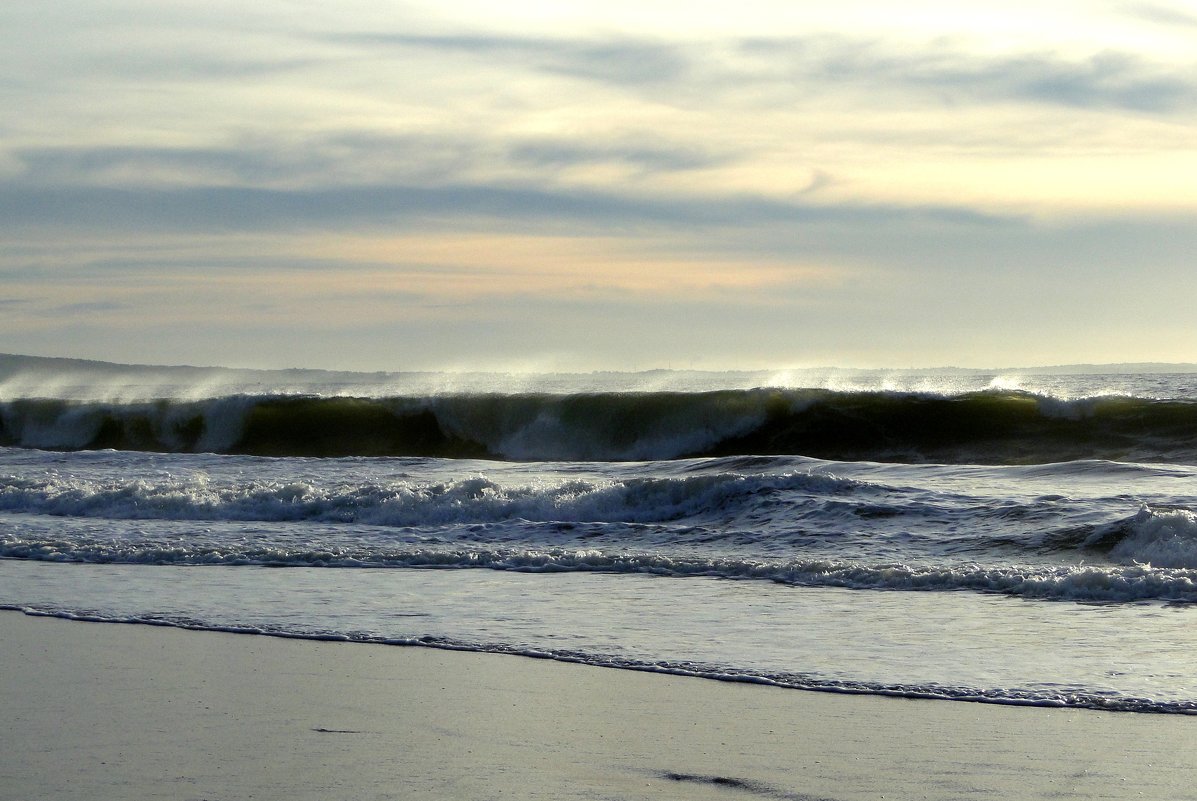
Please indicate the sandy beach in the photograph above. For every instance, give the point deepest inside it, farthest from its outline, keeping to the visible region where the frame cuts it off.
(108, 711)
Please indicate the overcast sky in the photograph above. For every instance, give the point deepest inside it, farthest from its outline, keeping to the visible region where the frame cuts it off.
(598, 185)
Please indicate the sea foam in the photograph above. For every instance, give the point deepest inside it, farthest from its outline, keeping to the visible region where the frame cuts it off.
(1161, 538)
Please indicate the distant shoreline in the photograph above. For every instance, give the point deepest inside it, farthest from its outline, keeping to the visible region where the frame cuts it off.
(11, 363)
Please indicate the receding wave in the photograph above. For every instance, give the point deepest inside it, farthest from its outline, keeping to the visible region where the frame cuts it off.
(988, 427)
(1010, 696)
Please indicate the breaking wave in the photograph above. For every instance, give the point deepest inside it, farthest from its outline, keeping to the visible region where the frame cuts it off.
(986, 427)
(403, 502)
(1153, 557)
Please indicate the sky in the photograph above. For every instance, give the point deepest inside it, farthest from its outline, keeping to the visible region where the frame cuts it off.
(620, 185)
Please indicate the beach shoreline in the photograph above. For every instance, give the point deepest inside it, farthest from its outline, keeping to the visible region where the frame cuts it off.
(112, 711)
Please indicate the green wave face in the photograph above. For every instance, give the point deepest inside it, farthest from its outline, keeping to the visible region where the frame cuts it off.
(982, 427)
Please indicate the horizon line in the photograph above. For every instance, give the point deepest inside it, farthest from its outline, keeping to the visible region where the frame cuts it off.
(1070, 367)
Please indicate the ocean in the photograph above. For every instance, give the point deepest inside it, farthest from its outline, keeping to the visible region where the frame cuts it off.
(1014, 537)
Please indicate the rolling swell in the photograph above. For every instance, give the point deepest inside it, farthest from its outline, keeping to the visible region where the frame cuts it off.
(988, 427)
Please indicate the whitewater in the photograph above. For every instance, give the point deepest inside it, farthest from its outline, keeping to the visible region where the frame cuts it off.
(1018, 537)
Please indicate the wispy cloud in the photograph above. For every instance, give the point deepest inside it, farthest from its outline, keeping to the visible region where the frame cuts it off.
(1106, 80)
(351, 157)
(402, 206)
(559, 153)
(623, 61)
(1162, 14)
(937, 71)
(91, 307)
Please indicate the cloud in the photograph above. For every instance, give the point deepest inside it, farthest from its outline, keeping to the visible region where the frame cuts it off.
(147, 164)
(558, 153)
(1106, 80)
(349, 182)
(938, 71)
(423, 233)
(690, 72)
(620, 61)
(352, 157)
(173, 66)
(91, 307)
(687, 72)
(399, 206)
(1161, 14)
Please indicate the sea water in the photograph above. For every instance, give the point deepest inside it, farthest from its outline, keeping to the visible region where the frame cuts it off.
(1008, 538)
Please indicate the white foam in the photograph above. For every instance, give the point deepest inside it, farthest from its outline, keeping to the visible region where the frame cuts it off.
(403, 502)
(1165, 538)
